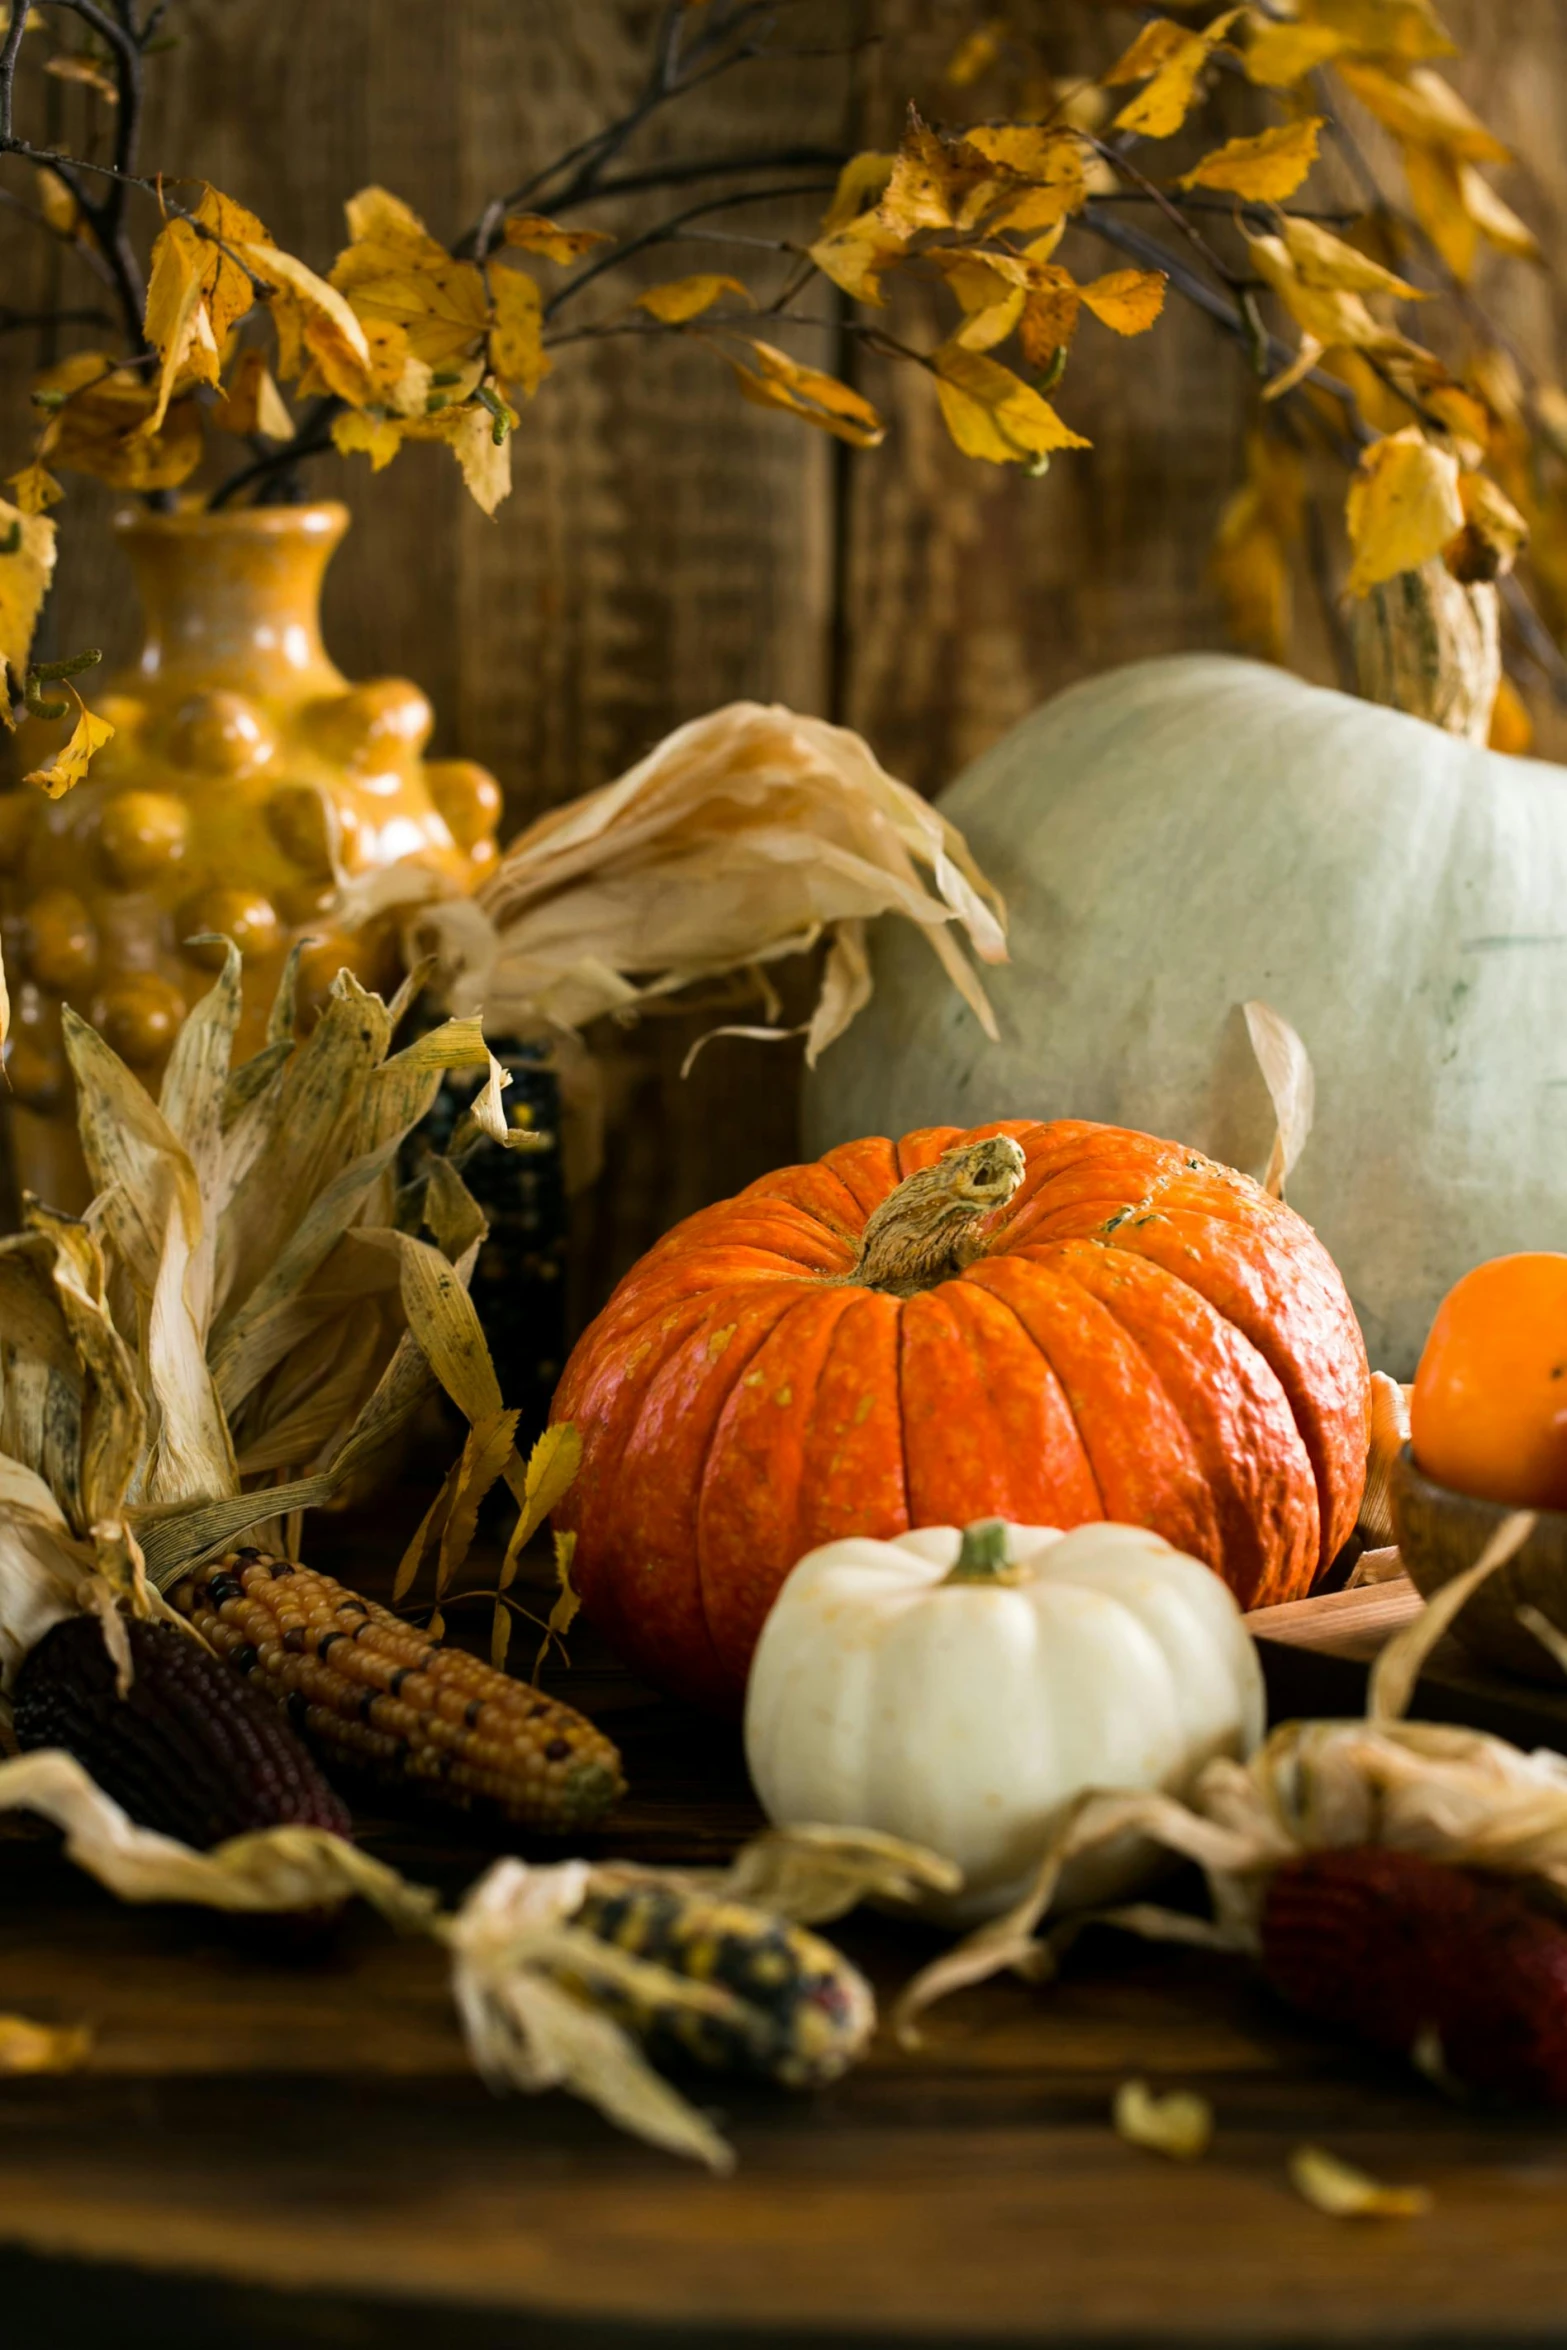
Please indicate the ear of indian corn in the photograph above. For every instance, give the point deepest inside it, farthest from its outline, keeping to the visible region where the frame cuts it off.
(374, 1696)
(800, 2013)
(187, 1749)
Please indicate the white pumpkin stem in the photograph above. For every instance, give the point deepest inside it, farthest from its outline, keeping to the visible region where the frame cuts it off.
(982, 1555)
(924, 1232)
(1430, 645)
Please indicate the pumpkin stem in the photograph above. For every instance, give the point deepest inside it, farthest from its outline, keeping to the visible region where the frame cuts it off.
(1429, 644)
(924, 1232)
(982, 1556)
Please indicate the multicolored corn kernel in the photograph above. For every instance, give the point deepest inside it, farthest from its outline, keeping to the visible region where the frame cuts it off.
(376, 1697)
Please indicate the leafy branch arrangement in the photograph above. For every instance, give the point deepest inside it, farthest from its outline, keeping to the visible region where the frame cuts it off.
(404, 338)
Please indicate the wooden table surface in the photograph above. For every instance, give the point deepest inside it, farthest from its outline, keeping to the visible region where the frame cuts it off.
(271, 2150)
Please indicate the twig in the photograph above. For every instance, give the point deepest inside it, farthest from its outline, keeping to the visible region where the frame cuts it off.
(663, 230)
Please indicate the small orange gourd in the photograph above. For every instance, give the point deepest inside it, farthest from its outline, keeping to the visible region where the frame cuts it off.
(1489, 1411)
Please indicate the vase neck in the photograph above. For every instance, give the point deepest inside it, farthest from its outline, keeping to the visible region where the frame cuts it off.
(236, 595)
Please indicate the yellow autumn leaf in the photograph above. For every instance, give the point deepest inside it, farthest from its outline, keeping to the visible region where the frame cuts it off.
(225, 284)
(777, 381)
(1128, 300)
(1328, 315)
(940, 183)
(990, 289)
(354, 432)
(1250, 564)
(1322, 259)
(1170, 60)
(68, 766)
(56, 202)
(856, 252)
(1052, 163)
(530, 232)
(975, 54)
(1421, 107)
(322, 322)
(1050, 313)
(1264, 169)
(862, 183)
(517, 350)
(69, 66)
(375, 216)
(480, 442)
(1512, 728)
(1436, 198)
(36, 489)
(1280, 55)
(398, 380)
(1407, 30)
(993, 414)
(252, 402)
(27, 550)
(396, 271)
(95, 426)
(688, 297)
(1403, 507)
(176, 322)
(1497, 222)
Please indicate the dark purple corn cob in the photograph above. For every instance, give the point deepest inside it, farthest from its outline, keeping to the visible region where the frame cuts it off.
(189, 1749)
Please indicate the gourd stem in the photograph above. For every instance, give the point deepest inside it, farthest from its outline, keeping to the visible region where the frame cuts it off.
(925, 1231)
(982, 1555)
(1430, 645)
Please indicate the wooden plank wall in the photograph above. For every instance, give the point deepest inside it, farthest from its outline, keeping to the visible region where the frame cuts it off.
(668, 547)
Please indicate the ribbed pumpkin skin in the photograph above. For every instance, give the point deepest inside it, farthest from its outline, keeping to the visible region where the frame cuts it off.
(1147, 1337)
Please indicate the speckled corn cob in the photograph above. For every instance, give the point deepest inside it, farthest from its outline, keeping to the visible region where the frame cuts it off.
(374, 1696)
(187, 1750)
(807, 2013)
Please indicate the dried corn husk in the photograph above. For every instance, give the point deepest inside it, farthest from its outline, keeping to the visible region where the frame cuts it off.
(743, 838)
(214, 1344)
(1448, 1794)
(509, 1941)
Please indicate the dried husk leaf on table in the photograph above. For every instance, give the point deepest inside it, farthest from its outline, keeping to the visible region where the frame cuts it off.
(533, 1986)
(1446, 1794)
(213, 1345)
(743, 838)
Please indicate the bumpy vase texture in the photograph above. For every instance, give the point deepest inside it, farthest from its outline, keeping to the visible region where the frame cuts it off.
(247, 779)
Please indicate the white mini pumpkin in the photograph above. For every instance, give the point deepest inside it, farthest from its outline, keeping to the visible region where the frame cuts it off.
(960, 1689)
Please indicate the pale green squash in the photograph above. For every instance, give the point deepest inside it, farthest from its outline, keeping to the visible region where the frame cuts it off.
(1180, 836)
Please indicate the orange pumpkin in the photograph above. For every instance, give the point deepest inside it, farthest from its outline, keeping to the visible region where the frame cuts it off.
(1044, 1323)
(1489, 1411)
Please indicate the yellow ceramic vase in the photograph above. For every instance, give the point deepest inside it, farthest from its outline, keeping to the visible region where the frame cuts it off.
(247, 779)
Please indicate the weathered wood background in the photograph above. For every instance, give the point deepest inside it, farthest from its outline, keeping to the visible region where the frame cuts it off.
(668, 547)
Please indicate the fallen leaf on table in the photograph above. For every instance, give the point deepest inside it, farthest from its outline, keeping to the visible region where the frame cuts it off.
(26, 2047)
(1178, 2123)
(1264, 169)
(1343, 2192)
